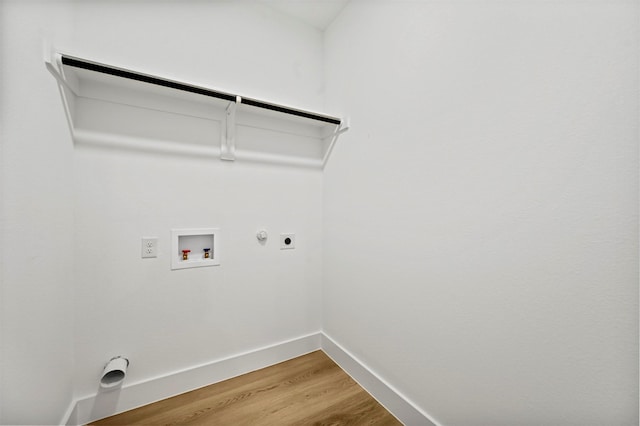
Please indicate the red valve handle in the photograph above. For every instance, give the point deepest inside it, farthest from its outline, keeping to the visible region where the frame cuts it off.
(186, 251)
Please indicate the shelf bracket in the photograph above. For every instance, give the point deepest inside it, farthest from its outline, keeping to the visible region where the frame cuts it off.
(228, 140)
(344, 125)
(53, 62)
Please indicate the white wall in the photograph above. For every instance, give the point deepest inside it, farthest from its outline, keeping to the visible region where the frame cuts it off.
(36, 285)
(481, 216)
(169, 320)
(74, 215)
(480, 229)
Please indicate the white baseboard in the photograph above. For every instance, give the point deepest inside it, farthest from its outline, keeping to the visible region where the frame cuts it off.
(104, 404)
(400, 406)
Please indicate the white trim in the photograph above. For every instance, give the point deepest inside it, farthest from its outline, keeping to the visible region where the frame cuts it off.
(394, 401)
(71, 415)
(103, 404)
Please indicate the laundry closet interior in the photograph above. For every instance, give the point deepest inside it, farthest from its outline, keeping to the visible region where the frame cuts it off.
(441, 196)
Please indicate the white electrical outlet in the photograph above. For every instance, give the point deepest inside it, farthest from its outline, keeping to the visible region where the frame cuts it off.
(287, 241)
(149, 247)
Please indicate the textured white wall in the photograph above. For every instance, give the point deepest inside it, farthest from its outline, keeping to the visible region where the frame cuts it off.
(481, 216)
(36, 234)
(169, 320)
(238, 47)
(74, 285)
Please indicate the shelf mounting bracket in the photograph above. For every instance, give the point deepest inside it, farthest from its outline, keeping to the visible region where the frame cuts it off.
(228, 140)
(344, 125)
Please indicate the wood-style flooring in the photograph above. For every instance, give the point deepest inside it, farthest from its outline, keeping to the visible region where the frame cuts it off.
(308, 390)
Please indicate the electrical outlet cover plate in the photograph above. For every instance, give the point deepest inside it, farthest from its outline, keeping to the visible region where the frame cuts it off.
(287, 241)
(149, 247)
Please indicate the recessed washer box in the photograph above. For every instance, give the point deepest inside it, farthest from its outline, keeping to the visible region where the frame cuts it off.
(195, 247)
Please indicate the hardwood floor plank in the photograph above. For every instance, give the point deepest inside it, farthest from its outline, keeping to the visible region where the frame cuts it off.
(308, 390)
